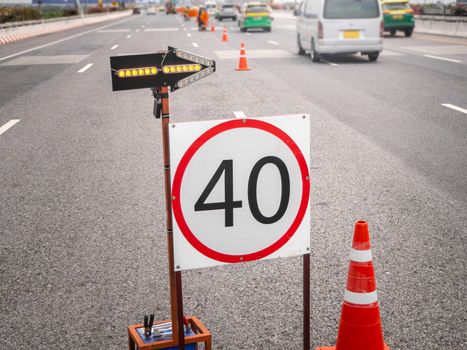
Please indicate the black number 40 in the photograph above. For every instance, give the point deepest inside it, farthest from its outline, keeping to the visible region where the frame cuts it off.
(229, 204)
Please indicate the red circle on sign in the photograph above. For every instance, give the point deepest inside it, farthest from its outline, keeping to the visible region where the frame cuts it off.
(195, 146)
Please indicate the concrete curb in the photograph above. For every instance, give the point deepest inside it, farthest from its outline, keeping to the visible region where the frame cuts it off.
(13, 33)
(441, 25)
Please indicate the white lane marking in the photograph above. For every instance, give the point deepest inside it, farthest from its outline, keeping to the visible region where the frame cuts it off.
(443, 58)
(114, 47)
(195, 45)
(161, 29)
(390, 53)
(137, 30)
(184, 29)
(248, 33)
(114, 31)
(330, 63)
(8, 125)
(440, 50)
(272, 42)
(128, 36)
(188, 34)
(34, 60)
(85, 68)
(65, 39)
(239, 114)
(448, 105)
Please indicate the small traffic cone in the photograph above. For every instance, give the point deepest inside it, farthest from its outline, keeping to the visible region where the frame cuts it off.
(242, 63)
(225, 37)
(213, 27)
(360, 325)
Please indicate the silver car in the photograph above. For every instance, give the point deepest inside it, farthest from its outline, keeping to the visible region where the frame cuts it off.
(227, 11)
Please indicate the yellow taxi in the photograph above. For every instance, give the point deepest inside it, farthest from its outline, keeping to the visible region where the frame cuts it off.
(254, 15)
(398, 15)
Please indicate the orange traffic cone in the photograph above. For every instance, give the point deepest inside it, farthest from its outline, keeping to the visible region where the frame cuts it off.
(242, 63)
(213, 27)
(225, 37)
(360, 325)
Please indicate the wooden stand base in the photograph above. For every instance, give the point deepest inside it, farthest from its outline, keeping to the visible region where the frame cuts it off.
(202, 335)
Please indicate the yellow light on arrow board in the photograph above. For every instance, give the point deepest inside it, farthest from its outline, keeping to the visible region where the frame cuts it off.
(182, 68)
(136, 72)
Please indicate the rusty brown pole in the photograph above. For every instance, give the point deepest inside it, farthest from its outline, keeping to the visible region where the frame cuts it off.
(176, 301)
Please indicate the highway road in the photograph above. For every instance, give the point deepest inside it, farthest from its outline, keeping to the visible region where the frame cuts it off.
(83, 250)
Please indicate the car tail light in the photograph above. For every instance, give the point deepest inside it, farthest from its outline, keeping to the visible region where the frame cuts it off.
(381, 29)
(320, 30)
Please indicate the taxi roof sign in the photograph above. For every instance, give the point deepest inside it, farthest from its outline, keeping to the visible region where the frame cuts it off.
(173, 68)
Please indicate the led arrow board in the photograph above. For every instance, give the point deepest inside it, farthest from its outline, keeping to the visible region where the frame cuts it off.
(240, 190)
(173, 68)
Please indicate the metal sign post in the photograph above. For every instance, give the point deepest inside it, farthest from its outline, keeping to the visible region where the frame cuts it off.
(175, 278)
(243, 203)
(306, 301)
(163, 72)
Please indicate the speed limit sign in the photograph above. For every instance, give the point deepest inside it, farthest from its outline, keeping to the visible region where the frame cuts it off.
(240, 190)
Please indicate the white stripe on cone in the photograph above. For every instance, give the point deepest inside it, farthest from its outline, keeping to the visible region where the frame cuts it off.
(360, 255)
(360, 298)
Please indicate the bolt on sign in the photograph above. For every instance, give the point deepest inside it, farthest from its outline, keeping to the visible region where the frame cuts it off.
(240, 190)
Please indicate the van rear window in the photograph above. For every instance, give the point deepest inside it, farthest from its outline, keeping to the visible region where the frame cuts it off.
(343, 9)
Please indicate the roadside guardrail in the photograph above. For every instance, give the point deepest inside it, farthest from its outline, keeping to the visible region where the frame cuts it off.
(25, 29)
(441, 25)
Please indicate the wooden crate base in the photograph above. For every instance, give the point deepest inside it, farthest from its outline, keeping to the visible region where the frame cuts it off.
(202, 335)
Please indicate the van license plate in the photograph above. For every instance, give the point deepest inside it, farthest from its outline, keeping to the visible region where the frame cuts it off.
(397, 16)
(351, 34)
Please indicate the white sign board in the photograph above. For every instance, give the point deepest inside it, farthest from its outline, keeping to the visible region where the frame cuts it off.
(240, 190)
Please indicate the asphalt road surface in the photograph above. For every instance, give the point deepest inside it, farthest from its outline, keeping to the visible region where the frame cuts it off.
(83, 249)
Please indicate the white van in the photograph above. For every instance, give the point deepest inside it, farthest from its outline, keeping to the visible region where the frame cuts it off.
(340, 26)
